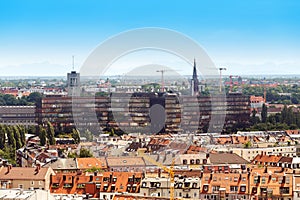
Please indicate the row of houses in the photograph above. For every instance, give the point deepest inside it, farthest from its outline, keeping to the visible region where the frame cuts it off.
(251, 182)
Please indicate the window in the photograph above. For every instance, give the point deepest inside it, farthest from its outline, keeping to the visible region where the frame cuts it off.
(187, 184)
(105, 179)
(144, 184)
(254, 190)
(80, 185)
(205, 188)
(234, 188)
(197, 161)
(263, 190)
(194, 185)
(184, 161)
(192, 161)
(243, 188)
(180, 185)
(113, 188)
(215, 188)
(32, 182)
(284, 190)
(263, 180)
(204, 161)
(256, 179)
(20, 186)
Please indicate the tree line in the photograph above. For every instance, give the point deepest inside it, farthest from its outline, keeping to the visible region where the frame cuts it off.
(10, 100)
(285, 120)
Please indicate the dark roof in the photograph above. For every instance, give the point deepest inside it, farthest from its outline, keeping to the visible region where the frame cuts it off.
(286, 160)
(229, 158)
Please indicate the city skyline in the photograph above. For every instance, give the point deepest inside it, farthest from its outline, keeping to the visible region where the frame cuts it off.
(258, 38)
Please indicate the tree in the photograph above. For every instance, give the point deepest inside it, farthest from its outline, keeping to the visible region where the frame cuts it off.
(22, 131)
(264, 113)
(10, 137)
(50, 134)
(2, 137)
(85, 153)
(35, 98)
(247, 144)
(17, 137)
(42, 136)
(76, 136)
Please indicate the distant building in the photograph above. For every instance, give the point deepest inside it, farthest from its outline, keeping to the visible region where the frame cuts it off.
(73, 81)
(131, 112)
(17, 115)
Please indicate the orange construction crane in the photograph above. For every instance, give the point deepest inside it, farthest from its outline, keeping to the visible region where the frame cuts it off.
(170, 170)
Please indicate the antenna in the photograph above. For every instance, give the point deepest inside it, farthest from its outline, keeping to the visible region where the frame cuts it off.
(73, 57)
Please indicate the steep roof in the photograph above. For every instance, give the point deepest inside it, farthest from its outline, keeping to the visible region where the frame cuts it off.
(230, 158)
(125, 161)
(63, 163)
(23, 173)
(87, 163)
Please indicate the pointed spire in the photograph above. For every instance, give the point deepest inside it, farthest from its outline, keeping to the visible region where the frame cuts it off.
(195, 80)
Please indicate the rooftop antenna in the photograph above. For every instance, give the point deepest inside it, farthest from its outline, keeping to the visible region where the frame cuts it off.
(73, 57)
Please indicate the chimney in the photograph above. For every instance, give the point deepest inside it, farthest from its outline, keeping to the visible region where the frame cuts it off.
(9, 166)
(207, 155)
(38, 167)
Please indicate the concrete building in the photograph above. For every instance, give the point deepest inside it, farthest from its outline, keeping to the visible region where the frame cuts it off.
(73, 83)
(17, 115)
(131, 113)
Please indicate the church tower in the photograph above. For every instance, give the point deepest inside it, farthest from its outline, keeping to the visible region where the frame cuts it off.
(195, 81)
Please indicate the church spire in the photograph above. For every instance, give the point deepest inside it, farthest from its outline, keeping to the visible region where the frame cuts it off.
(195, 81)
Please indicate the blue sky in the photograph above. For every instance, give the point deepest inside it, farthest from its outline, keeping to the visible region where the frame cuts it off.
(249, 36)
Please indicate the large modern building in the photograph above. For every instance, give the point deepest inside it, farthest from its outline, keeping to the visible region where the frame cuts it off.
(17, 115)
(146, 112)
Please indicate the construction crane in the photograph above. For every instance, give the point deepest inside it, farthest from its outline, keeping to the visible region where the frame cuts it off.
(167, 169)
(162, 71)
(221, 69)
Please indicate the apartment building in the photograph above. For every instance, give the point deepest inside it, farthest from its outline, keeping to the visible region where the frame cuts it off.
(97, 185)
(184, 187)
(25, 177)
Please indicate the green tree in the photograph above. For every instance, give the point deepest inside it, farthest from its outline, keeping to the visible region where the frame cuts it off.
(264, 113)
(35, 98)
(50, 134)
(23, 132)
(17, 137)
(42, 136)
(247, 145)
(72, 155)
(76, 136)
(2, 137)
(10, 137)
(85, 153)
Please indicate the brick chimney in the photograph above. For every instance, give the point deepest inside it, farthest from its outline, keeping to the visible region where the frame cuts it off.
(38, 167)
(9, 166)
